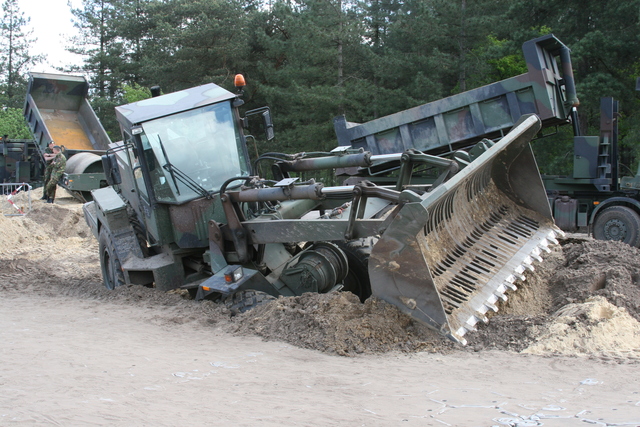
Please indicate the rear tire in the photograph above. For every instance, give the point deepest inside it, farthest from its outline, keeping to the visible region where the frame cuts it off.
(244, 301)
(618, 223)
(112, 274)
(358, 252)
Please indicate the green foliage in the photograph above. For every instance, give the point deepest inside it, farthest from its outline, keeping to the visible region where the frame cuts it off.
(12, 124)
(104, 108)
(311, 60)
(505, 60)
(554, 152)
(135, 92)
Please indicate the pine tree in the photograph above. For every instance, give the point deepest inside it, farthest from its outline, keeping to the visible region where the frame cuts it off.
(14, 48)
(99, 42)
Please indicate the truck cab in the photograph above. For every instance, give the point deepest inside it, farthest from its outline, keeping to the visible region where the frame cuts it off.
(189, 142)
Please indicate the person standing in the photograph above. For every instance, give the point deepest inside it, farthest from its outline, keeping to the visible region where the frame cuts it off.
(48, 157)
(58, 164)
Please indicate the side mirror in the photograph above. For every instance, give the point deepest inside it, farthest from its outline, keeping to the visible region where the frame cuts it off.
(266, 120)
(268, 125)
(111, 171)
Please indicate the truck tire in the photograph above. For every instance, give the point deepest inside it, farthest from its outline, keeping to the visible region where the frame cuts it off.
(243, 301)
(140, 236)
(358, 252)
(618, 223)
(112, 274)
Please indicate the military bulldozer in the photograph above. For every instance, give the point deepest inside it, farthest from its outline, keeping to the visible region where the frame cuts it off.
(186, 208)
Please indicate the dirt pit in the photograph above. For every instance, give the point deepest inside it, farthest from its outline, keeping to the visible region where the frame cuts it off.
(584, 300)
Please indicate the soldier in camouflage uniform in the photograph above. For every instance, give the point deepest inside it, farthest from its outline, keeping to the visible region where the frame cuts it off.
(48, 157)
(58, 165)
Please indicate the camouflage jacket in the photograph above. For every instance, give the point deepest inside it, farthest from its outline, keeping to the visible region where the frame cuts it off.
(58, 164)
(47, 151)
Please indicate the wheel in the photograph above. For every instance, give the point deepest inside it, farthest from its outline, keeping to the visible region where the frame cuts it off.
(618, 223)
(358, 252)
(140, 232)
(112, 274)
(141, 237)
(246, 300)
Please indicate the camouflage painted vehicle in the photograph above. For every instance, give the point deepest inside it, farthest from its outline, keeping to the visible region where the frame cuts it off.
(20, 160)
(594, 198)
(186, 209)
(57, 109)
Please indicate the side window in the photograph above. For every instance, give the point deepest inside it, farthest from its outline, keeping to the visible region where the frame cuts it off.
(135, 166)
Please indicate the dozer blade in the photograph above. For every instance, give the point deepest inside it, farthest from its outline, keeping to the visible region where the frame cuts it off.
(450, 255)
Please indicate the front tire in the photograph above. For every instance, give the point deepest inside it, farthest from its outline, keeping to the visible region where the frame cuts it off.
(618, 223)
(112, 274)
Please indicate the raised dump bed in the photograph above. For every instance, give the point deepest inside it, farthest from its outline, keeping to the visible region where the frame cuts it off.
(57, 109)
(459, 121)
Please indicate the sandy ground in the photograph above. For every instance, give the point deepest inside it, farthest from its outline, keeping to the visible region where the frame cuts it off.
(74, 354)
(70, 362)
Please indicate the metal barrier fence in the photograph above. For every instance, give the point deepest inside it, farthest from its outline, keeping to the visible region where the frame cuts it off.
(15, 199)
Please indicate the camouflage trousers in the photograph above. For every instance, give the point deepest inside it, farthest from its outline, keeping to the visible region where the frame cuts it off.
(47, 177)
(50, 186)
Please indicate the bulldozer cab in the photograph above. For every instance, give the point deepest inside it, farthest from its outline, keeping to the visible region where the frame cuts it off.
(177, 151)
(192, 151)
(180, 149)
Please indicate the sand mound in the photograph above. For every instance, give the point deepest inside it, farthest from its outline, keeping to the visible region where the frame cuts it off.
(595, 327)
(339, 323)
(608, 269)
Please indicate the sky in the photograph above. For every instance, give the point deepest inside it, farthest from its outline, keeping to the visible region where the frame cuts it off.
(51, 22)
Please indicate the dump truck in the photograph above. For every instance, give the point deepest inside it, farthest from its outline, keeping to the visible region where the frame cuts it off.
(185, 208)
(57, 109)
(594, 199)
(19, 160)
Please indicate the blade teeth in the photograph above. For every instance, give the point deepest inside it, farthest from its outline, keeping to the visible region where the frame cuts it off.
(528, 263)
(499, 293)
(544, 245)
(481, 317)
(458, 336)
(509, 283)
(519, 275)
(470, 324)
(502, 297)
(535, 254)
(492, 299)
(491, 307)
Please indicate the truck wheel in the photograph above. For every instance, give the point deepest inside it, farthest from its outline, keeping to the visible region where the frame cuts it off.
(246, 300)
(358, 252)
(139, 231)
(618, 223)
(110, 265)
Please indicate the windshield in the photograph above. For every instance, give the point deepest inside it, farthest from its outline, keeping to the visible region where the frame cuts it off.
(202, 144)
